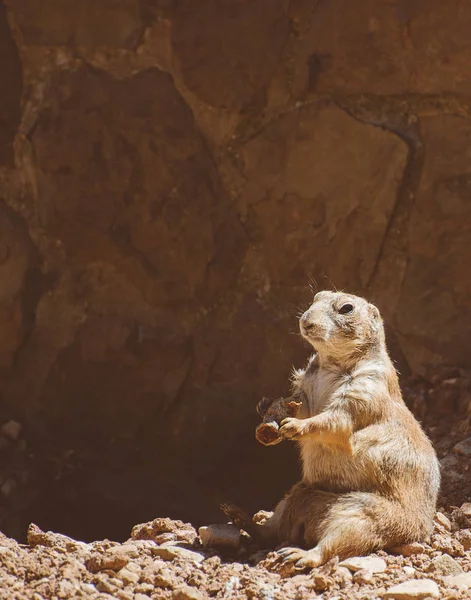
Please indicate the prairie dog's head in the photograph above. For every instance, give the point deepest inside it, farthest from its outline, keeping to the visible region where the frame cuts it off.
(340, 325)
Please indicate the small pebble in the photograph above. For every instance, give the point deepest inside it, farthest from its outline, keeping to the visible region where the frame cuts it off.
(128, 575)
(446, 544)
(88, 588)
(444, 565)
(363, 576)
(414, 589)
(185, 592)
(220, 536)
(466, 510)
(442, 520)
(322, 582)
(463, 448)
(368, 563)
(231, 586)
(463, 580)
(129, 550)
(106, 561)
(104, 585)
(343, 575)
(171, 552)
(464, 538)
(409, 549)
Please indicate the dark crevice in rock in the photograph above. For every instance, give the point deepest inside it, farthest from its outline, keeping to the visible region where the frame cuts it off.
(387, 276)
(394, 244)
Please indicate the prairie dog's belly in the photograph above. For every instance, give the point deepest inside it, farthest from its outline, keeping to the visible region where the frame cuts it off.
(380, 454)
(333, 469)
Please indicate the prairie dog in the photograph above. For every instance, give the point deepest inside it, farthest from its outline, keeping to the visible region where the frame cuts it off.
(370, 474)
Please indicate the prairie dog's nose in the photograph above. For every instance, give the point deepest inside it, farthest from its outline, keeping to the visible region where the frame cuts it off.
(305, 322)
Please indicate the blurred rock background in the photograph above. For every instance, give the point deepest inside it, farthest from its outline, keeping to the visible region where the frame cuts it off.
(174, 176)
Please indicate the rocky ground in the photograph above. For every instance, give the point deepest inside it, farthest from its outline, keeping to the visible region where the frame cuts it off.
(170, 559)
(166, 559)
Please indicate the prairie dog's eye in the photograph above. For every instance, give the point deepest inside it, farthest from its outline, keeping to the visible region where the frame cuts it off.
(346, 308)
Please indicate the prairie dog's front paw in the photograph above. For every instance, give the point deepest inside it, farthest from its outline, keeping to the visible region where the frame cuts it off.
(292, 428)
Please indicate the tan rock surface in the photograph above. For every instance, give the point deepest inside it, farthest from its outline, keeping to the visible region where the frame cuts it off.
(173, 175)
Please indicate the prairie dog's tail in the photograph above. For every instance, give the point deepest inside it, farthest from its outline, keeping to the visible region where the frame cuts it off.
(239, 517)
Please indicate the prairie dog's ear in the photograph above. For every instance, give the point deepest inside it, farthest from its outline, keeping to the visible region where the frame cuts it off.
(376, 321)
(374, 312)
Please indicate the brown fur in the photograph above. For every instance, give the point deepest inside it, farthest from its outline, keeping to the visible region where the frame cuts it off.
(370, 474)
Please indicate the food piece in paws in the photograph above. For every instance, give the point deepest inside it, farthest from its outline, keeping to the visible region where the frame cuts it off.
(267, 433)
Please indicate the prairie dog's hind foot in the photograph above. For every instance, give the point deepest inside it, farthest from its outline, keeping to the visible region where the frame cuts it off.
(302, 559)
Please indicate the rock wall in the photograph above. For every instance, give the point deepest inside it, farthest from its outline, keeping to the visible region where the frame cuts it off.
(173, 176)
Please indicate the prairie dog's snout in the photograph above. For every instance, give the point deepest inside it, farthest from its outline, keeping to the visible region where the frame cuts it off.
(312, 327)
